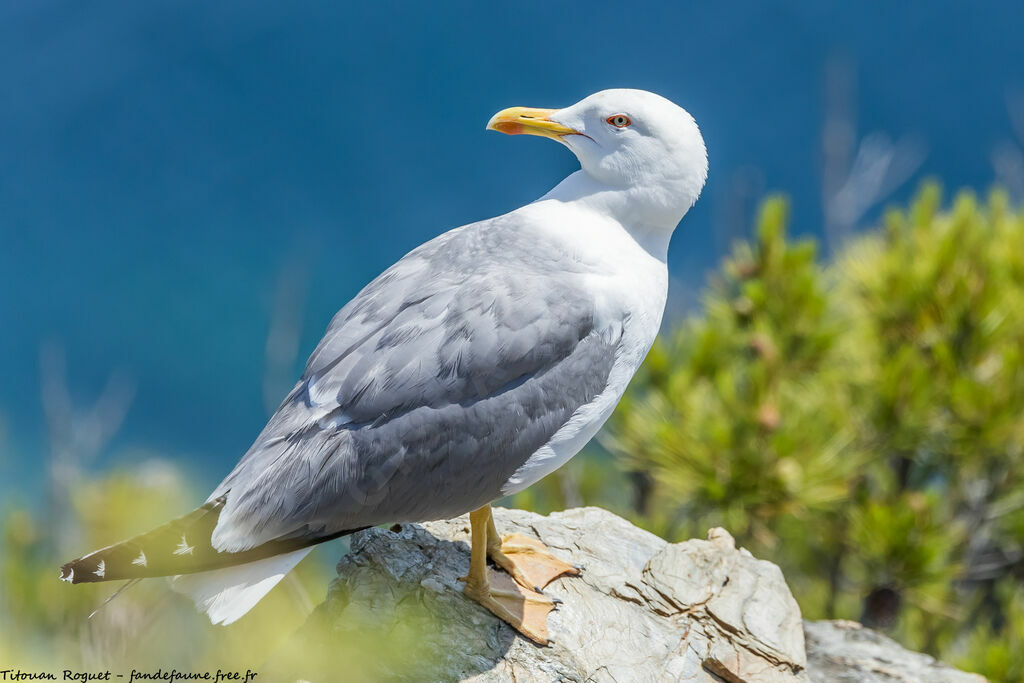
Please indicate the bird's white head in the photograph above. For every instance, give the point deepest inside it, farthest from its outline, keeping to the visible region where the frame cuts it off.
(631, 142)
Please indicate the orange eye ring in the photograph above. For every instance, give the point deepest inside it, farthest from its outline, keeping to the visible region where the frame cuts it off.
(618, 120)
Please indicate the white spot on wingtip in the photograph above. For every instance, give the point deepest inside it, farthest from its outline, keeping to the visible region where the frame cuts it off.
(140, 561)
(70, 577)
(183, 548)
(101, 570)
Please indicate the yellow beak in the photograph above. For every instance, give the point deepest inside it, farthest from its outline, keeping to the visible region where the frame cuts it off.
(524, 120)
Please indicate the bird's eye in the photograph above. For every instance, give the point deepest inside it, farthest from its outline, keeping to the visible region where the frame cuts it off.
(618, 120)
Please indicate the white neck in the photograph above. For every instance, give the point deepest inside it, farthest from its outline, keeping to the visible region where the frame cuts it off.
(649, 225)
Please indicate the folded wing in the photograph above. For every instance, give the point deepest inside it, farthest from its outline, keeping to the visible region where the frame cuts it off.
(427, 392)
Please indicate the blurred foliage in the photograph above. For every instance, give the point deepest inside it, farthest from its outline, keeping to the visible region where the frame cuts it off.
(860, 423)
(45, 624)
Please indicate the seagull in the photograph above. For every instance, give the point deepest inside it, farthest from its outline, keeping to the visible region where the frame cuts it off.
(477, 364)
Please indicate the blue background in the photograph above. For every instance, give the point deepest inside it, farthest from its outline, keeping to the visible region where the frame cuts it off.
(162, 163)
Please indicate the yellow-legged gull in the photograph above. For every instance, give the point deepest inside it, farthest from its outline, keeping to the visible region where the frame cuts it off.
(480, 362)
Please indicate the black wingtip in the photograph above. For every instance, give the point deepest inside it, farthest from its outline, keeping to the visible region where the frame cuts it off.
(67, 573)
(90, 568)
(182, 546)
(76, 571)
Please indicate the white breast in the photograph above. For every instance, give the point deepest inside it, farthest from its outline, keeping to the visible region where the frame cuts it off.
(629, 288)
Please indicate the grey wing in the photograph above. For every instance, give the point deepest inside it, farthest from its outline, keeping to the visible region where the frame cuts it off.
(428, 391)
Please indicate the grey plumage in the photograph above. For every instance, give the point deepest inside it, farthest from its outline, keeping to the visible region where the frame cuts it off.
(428, 391)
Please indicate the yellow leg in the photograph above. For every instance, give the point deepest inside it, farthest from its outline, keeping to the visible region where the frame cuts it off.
(526, 559)
(523, 609)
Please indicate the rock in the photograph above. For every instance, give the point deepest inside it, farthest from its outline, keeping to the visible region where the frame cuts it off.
(846, 652)
(642, 610)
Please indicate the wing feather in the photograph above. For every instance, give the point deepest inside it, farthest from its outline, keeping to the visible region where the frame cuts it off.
(427, 392)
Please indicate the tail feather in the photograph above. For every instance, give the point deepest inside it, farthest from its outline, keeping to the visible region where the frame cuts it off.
(227, 594)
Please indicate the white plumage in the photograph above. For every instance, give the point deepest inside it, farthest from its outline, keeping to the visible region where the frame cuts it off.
(225, 595)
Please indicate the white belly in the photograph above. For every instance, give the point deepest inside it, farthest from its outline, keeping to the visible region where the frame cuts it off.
(630, 303)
